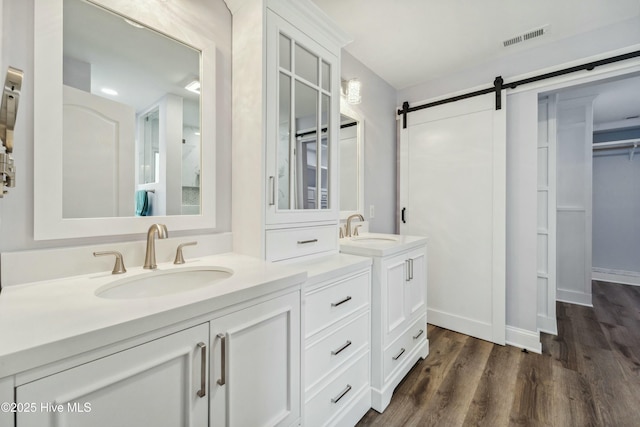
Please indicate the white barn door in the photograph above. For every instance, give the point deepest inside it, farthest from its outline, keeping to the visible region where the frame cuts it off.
(453, 190)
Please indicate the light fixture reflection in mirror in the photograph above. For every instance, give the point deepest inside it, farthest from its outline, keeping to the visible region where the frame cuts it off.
(130, 114)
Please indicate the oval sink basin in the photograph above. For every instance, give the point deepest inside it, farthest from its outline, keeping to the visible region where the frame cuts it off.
(158, 283)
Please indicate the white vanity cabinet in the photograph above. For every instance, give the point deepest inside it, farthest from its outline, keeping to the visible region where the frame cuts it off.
(255, 365)
(337, 386)
(160, 383)
(286, 120)
(399, 331)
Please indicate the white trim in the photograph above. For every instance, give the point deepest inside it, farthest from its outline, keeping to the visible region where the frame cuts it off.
(48, 220)
(547, 324)
(523, 338)
(616, 276)
(571, 297)
(499, 238)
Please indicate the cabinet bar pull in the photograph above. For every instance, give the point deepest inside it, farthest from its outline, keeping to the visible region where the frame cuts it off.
(341, 395)
(335, 304)
(407, 276)
(304, 242)
(411, 268)
(272, 190)
(223, 359)
(415, 337)
(396, 357)
(203, 369)
(338, 351)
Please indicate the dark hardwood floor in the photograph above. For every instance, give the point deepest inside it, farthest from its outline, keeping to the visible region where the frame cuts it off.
(587, 375)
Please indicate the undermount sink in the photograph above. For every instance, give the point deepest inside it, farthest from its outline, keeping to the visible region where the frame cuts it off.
(373, 239)
(163, 282)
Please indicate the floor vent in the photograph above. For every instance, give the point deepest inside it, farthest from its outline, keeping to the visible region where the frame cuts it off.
(526, 36)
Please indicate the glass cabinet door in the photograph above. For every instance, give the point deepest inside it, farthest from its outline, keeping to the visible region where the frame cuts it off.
(300, 170)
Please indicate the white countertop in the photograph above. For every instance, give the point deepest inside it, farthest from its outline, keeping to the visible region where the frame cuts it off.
(329, 267)
(379, 245)
(51, 320)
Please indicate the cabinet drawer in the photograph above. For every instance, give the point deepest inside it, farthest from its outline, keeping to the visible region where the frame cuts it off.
(397, 353)
(338, 393)
(335, 349)
(294, 242)
(328, 305)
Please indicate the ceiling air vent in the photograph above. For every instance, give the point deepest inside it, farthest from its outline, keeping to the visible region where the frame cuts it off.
(526, 36)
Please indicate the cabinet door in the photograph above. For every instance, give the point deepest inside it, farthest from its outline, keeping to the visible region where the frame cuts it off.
(395, 276)
(255, 365)
(153, 384)
(417, 285)
(302, 125)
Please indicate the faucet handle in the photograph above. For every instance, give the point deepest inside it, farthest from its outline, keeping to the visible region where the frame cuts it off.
(118, 267)
(341, 234)
(355, 230)
(179, 258)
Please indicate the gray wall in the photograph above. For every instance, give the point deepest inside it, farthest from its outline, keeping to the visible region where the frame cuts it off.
(16, 208)
(378, 111)
(616, 210)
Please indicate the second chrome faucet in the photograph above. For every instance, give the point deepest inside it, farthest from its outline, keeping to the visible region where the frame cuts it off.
(150, 257)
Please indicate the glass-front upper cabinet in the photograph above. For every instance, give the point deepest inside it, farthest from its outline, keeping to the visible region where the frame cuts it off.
(301, 126)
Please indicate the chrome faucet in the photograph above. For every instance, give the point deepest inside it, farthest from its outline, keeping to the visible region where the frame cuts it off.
(150, 257)
(351, 217)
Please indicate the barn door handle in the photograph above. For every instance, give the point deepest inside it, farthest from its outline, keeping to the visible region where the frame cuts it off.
(403, 219)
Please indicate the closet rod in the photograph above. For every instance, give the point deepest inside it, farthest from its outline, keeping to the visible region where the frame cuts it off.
(499, 85)
(626, 143)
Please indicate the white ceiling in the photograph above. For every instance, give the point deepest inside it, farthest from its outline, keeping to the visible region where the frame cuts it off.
(409, 42)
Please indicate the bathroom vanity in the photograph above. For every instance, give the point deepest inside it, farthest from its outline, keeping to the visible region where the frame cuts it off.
(80, 355)
(399, 297)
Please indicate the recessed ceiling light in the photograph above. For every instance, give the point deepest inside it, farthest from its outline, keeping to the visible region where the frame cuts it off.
(194, 87)
(108, 91)
(196, 133)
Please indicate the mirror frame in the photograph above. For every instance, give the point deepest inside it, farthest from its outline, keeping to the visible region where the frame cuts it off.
(345, 108)
(48, 27)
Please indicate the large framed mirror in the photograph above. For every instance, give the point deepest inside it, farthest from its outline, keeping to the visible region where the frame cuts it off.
(121, 88)
(351, 144)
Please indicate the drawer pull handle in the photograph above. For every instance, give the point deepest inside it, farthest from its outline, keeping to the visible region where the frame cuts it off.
(223, 359)
(304, 242)
(203, 369)
(341, 395)
(411, 268)
(335, 304)
(419, 333)
(338, 351)
(396, 357)
(407, 273)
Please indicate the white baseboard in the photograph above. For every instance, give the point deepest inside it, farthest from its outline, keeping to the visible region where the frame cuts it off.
(523, 338)
(547, 324)
(616, 276)
(572, 297)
